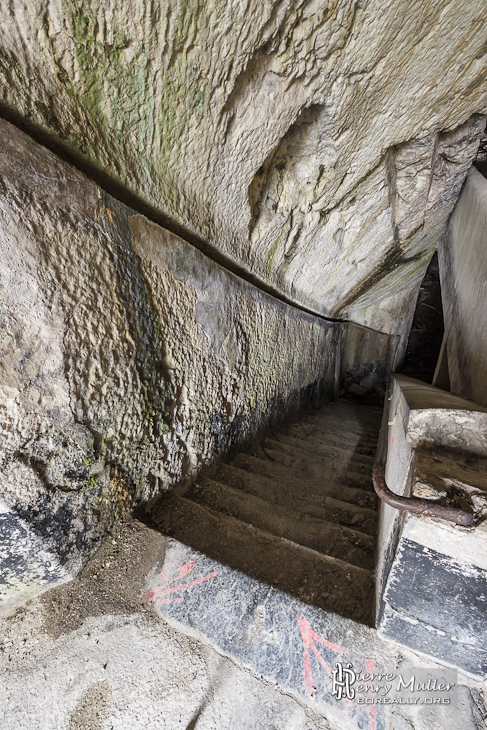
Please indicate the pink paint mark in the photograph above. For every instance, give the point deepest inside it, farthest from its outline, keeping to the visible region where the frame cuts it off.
(309, 637)
(161, 590)
(369, 668)
(185, 569)
(156, 595)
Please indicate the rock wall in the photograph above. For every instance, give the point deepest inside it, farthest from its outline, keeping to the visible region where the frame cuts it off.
(319, 146)
(463, 270)
(128, 359)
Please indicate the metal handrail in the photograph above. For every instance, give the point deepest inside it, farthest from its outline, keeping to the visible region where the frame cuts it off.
(410, 504)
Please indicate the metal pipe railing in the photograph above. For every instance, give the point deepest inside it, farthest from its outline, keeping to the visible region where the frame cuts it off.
(425, 507)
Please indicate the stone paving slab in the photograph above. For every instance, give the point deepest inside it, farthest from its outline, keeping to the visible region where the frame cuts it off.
(426, 640)
(275, 635)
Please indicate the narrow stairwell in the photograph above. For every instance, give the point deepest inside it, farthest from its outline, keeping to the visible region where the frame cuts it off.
(298, 511)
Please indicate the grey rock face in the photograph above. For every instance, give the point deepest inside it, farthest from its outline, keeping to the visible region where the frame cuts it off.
(321, 148)
(129, 359)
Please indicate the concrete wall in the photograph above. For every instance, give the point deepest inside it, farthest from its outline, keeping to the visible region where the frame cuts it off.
(430, 573)
(420, 415)
(128, 359)
(463, 271)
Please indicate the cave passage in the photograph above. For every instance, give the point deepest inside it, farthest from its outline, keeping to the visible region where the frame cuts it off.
(427, 329)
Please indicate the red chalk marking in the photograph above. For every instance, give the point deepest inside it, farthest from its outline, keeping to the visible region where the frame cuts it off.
(370, 667)
(160, 590)
(183, 570)
(308, 634)
(309, 637)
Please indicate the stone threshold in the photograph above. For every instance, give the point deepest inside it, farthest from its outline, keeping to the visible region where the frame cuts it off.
(294, 645)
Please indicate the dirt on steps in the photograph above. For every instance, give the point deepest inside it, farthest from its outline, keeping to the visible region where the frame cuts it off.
(297, 510)
(314, 578)
(345, 543)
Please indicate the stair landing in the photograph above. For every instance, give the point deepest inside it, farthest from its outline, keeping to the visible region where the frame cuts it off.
(270, 561)
(273, 634)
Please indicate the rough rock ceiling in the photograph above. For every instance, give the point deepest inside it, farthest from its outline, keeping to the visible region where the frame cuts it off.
(319, 146)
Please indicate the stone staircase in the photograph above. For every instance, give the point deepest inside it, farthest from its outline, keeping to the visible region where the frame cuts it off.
(297, 511)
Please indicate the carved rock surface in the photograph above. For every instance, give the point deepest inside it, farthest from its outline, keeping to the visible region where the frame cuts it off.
(128, 359)
(320, 146)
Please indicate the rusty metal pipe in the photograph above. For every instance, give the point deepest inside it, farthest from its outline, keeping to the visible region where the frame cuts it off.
(410, 504)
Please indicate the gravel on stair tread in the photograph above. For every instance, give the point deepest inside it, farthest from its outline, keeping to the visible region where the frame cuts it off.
(291, 451)
(359, 416)
(318, 480)
(354, 410)
(316, 451)
(312, 441)
(365, 427)
(334, 439)
(320, 507)
(269, 487)
(346, 543)
(314, 578)
(335, 431)
(350, 431)
(310, 465)
(357, 444)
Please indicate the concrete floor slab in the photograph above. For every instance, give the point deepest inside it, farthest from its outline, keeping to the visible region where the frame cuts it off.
(94, 654)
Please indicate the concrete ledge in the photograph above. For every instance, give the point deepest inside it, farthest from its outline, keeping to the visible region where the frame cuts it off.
(449, 595)
(463, 273)
(432, 575)
(428, 640)
(420, 395)
(289, 643)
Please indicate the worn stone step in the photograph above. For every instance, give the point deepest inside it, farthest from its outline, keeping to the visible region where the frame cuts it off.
(305, 463)
(362, 426)
(345, 543)
(357, 411)
(297, 446)
(314, 578)
(291, 644)
(269, 487)
(320, 481)
(338, 431)
(346, 439)
(319, 445)
(365, 432)
(299, 503)
(340, 426)
(336, 439)
(358, 518)
(290, 448)
(348, 426)
(340, 411)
